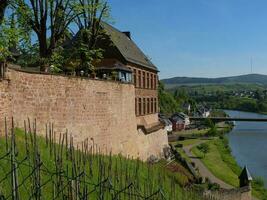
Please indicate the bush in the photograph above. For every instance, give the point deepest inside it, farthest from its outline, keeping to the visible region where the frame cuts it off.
(258, 181)
(204, 148)
(213, 186)
(213, 132)
(259, 189)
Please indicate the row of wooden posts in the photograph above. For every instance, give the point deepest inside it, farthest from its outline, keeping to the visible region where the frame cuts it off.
(76, 173)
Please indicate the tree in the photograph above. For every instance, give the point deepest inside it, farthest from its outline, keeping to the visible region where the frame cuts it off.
(48, 19)
(90, 14)
(11, 36)
(204, 148)
(167, 103)
(3, 6)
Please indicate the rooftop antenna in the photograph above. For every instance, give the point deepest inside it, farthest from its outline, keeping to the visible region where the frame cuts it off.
(251, 65)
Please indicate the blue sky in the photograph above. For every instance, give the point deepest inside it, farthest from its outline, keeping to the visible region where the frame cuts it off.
(203, 38)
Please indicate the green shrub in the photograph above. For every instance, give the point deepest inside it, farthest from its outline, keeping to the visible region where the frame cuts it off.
(204, 148)
(258, 181)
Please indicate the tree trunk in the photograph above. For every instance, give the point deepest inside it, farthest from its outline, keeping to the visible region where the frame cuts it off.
(43, 51)
(3, 5)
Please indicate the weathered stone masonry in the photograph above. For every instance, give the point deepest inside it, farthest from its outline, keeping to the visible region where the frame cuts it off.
(102, 111)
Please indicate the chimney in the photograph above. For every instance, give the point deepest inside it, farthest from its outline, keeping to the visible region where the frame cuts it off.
(128, 34)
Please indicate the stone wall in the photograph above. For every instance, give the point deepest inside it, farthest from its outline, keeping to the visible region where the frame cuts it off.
(102, 111)
(243, 193)
(5, 105)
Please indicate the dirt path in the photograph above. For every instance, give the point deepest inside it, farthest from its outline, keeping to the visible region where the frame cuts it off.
(203, 170)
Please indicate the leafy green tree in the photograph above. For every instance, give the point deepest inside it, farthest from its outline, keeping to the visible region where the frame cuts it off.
(90, 14)
(11, 36)
(57, 60)
(167, 103)
(204, 148)
(3, 6)
(48, 19)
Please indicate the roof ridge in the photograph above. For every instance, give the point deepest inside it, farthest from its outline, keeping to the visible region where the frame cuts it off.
(130, 53)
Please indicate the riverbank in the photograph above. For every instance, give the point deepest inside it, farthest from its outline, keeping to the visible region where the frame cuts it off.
(223, 165)
(218, 160)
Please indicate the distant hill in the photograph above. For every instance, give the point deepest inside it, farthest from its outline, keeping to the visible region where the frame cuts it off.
(242, 79)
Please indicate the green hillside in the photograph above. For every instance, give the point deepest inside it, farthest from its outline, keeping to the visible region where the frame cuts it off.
(243, 97)
(34, 167)
(212, 88)
(243, 79)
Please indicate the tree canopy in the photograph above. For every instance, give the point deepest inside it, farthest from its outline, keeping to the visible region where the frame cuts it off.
(47, 24)
(3, 5)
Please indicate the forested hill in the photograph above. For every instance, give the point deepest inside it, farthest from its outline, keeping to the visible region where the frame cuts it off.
(247, 79)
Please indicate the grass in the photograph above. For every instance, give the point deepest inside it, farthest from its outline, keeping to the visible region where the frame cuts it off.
(193, 132)
(185, 143)
(188, 142)
(121, 171)
(214, 162)
(224, 166)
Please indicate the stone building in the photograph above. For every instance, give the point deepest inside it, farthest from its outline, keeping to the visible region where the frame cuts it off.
(119, 47)
(117, 116)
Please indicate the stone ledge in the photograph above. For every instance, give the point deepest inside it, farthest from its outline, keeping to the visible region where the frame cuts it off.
(152, 128)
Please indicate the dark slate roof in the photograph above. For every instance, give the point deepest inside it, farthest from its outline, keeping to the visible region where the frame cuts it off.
(245, 174)
(179, 115)
(126, 46)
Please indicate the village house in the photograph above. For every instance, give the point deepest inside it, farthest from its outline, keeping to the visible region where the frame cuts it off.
(202, 111)
(187, 108)
(180, 121)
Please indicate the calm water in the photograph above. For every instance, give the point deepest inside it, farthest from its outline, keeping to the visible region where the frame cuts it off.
(248, 141)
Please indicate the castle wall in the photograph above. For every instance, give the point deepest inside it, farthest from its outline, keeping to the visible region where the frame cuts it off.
(102, 111)
(5, 105)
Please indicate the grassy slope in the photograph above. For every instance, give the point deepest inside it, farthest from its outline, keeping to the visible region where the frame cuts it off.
(148, 176)
(224, 166)
(193, 132)
(216, 164)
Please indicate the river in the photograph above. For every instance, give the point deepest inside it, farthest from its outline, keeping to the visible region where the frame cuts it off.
(248, 141)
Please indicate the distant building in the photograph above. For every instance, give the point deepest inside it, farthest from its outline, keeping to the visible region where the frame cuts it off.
(168, 124)
(187, 108)
(202, 111)
(180, 121)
